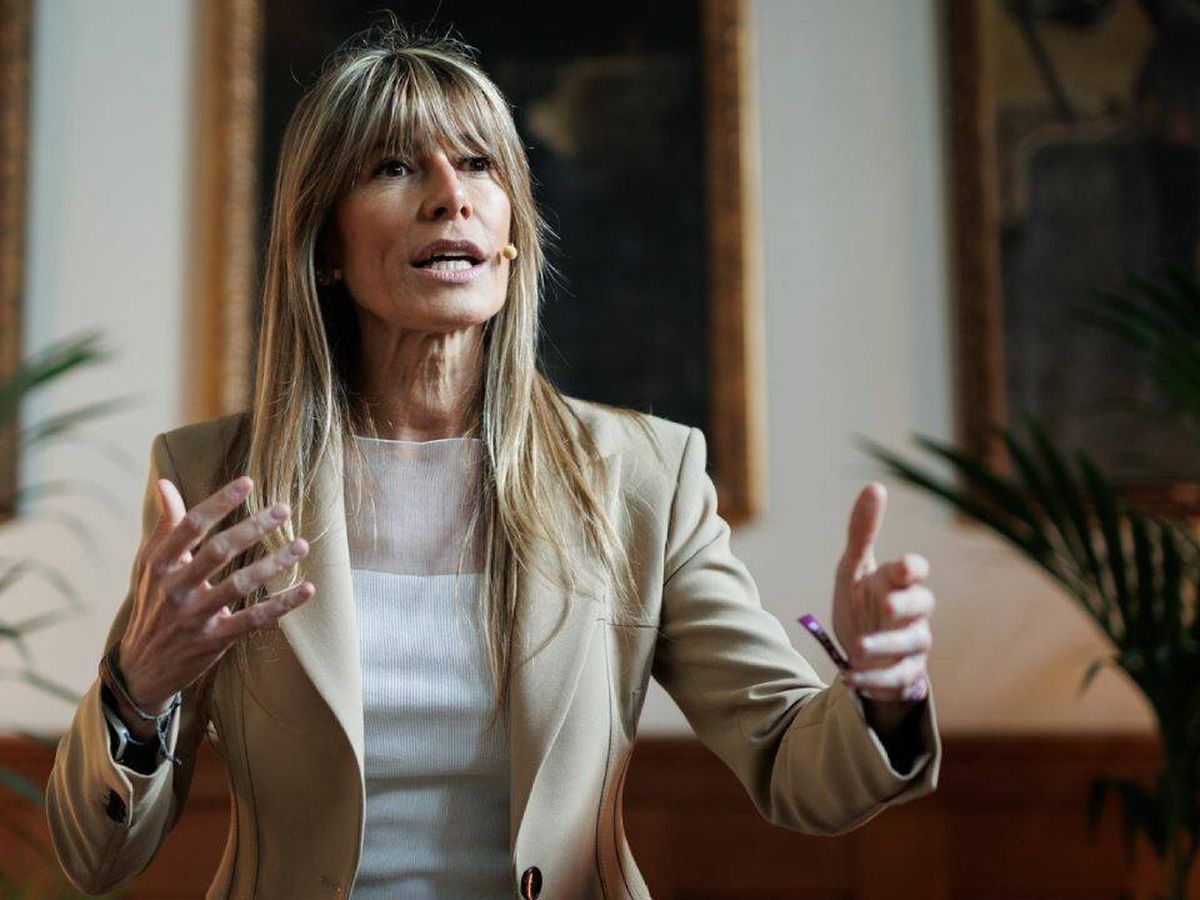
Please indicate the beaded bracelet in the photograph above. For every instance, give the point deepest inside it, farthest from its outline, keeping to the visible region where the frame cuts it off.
(111, 675)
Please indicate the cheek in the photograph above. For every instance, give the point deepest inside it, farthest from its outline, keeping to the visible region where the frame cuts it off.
(499, 213)
(367, 226)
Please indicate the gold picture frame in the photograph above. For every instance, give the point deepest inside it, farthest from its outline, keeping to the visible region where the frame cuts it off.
(227, 186)
(15, 37)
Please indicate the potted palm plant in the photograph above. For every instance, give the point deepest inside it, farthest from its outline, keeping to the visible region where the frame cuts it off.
(47, 367)
(1136, 574)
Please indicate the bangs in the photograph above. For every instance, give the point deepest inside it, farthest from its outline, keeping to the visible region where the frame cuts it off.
(416, 107)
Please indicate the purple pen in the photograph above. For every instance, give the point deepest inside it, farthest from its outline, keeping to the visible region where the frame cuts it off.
(921, 688)
(814, 628)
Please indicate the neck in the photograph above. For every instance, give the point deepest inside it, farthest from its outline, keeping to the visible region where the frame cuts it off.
(422, 386)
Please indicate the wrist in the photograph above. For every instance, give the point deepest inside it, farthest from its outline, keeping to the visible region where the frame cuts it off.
(149, 702)
(140, 729)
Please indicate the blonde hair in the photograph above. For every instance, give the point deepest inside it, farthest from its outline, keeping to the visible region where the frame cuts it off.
(387, 87)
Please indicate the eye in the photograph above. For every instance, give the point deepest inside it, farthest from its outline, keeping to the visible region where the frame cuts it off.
(475, 161)
(388, 164)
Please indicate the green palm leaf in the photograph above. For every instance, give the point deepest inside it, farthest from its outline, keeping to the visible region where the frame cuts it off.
(46, 367)
(1136, 573)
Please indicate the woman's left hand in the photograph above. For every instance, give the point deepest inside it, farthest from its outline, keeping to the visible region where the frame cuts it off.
(881, 612)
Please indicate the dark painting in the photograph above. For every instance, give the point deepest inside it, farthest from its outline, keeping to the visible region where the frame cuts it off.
(608, 101)
(1097, 147)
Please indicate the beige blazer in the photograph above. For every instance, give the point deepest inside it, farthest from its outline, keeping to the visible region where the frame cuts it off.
(294, 752)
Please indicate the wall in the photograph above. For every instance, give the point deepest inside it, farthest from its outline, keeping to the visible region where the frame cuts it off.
(107, 248)
(856, 339)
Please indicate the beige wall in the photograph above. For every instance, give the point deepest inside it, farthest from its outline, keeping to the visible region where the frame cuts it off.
(856, 337)
(107, 249)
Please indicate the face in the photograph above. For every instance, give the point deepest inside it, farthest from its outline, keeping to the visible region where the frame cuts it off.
(396, 209)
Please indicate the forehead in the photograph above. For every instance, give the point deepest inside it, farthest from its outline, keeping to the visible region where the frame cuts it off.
(422, 143)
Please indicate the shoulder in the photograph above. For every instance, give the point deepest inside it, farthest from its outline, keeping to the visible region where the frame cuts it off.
(205, 438)
(630, 432)
(208, 453)
(652, 445)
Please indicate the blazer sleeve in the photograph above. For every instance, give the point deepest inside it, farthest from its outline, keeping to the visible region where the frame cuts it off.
(802, 749)
(106, 820)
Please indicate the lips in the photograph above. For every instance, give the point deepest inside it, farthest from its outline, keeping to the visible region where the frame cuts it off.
(448, 249)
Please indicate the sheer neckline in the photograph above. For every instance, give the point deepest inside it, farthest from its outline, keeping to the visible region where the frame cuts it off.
(461, 439)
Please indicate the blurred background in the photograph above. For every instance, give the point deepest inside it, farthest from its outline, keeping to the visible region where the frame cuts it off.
(915, 193)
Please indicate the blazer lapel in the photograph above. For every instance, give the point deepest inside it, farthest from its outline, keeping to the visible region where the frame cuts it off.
(323, 632)
(548, 656)
(547, 649)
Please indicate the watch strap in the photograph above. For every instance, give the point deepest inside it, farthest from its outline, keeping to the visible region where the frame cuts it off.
(139, 755)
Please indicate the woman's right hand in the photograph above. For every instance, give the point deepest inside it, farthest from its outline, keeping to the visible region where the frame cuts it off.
(181, 624)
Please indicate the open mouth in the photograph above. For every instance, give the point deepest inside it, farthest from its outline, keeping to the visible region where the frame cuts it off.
(454, 262)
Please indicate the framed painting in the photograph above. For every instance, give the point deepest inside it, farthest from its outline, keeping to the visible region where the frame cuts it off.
(15, 26)
(1075, 161)
(639, 128)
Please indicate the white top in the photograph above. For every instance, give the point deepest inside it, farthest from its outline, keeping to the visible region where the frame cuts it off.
(437, 784)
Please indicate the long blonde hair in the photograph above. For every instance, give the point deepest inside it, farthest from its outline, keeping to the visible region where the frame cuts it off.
(389, 87)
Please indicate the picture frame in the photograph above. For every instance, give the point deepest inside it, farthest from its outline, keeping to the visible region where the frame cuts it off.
(723, 316)
(1046, 160)
(16, 23)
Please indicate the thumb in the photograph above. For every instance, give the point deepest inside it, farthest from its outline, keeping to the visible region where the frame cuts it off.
(866, 519)
(171, 508)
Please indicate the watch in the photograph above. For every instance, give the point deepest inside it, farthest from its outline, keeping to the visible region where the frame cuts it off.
(129, 748)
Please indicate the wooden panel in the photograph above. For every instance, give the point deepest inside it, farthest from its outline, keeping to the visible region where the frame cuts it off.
(1006, 822)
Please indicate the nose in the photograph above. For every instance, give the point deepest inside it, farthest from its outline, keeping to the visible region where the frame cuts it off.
(445, 194)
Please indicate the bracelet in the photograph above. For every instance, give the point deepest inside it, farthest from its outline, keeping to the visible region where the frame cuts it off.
(111, 675)
(130, 751)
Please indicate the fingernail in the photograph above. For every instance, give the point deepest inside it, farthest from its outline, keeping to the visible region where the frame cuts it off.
(279, 512)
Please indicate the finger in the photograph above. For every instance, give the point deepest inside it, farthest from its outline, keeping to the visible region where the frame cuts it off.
(196, 523)
(171, 507)
(866, 519)
(228, 628)
(883, 648)
(900, 608)
(225, 545)
(913, 693)
(901, 675)
(903, 572)
(247, 578)
(170, 510)
(187, 558)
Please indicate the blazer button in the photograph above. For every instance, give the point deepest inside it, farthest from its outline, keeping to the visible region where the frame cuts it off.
(114, 807)
(531, 883)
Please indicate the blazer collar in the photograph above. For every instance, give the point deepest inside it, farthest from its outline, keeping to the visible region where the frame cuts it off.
(548, 642)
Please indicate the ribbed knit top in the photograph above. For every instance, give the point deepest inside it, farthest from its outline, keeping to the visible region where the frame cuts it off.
(437, 782)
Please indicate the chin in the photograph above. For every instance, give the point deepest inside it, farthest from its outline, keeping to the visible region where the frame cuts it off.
(454, 316)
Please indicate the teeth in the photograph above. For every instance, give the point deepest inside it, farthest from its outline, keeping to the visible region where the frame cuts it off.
(449, 265)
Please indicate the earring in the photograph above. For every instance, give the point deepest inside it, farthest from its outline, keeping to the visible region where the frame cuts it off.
(509, 252)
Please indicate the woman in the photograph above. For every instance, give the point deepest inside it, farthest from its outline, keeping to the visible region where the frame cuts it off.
(490, 574)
